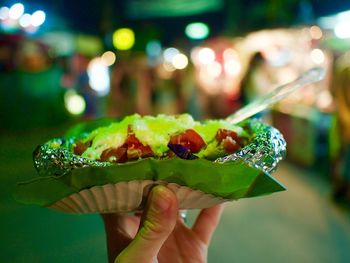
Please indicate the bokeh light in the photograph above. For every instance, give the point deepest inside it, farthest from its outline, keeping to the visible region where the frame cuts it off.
(341, 29)
(74, 103)
(180, 61)
(232, 67)
(25, 20)
(38, 18)
(99, 76)
(153, 48)
(123, 39)
(317, 56)
(232, 64)
(170, 53)
(108, 58)
(316, 32)
(14, 19)
(197, 30)
(16, 11)
(214, 69)
(206, 56)
(4, 12)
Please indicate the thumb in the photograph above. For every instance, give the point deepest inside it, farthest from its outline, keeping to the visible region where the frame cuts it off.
(159, 222)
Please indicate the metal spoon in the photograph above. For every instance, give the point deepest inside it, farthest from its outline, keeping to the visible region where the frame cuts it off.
(265, 101)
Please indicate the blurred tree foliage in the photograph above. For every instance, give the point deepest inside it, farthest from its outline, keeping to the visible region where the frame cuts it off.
(30, 100)
(244, 16)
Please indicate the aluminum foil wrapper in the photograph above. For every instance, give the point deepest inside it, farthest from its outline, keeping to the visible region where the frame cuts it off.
(53, 159)
(266, 150)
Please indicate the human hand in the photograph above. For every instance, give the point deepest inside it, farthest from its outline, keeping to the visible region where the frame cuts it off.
(160, 235)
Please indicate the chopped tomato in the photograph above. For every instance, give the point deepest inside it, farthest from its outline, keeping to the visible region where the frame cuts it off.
(136, 149)
(228, 139)
(114, 155)
(230, 145)
(190, 139)
(131, 149)
(224, 133)
(80, 147)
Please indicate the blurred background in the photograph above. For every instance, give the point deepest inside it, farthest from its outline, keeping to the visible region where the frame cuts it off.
(62, 62)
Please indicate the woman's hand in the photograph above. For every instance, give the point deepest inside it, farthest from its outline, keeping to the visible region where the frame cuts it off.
(160, 235)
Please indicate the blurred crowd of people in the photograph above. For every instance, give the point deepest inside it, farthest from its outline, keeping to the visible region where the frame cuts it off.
(138, 87)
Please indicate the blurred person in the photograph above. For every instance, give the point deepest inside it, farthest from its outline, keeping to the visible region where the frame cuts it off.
(191, 101)
(167, 94)
(131, 87)
(256, 82)
(340, 142)
(119, 90)
(67, 79)
(217, 79)
(160, 235)
(82, 85)
(145, 82)
(252, 82)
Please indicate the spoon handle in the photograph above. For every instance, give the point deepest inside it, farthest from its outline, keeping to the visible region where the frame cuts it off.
(265, 101)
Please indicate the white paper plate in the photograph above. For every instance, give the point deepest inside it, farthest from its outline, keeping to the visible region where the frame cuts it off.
(128, 197)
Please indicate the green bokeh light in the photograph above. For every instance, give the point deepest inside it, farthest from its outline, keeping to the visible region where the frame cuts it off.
(197, 30)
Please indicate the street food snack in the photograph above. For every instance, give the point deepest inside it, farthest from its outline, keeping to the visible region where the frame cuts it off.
(110, 165)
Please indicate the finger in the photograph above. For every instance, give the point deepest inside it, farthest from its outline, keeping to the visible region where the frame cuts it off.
(207, 221)
(159, 222)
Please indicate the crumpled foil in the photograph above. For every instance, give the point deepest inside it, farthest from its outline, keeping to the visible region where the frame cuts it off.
(264, 152)
(50, 160)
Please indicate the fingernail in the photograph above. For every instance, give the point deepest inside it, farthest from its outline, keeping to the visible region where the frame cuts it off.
(160, 199)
